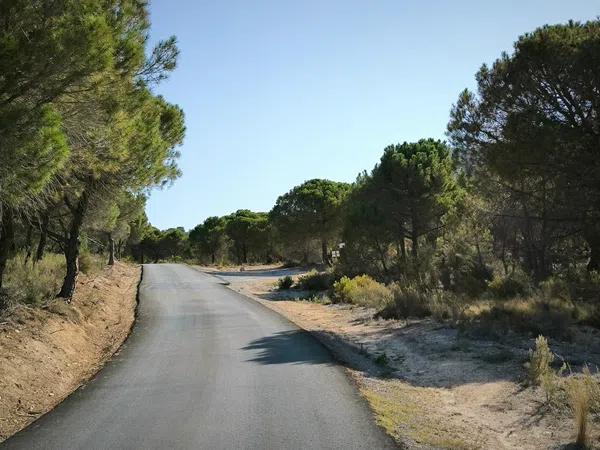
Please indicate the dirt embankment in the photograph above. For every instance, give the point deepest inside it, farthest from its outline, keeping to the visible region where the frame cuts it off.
(47, 353)
(431, 386)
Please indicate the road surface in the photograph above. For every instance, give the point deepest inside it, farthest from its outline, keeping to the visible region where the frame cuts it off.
(206, 368)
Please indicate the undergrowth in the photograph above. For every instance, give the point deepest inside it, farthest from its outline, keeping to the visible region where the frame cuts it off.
(33, 284)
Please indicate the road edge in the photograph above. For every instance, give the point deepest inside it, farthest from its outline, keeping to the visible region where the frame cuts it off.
(331, 344)
(84, 381)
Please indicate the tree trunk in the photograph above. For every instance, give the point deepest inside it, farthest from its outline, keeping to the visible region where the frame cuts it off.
(415, 246)
(71, 249)
(325, 253)
(402, 249)
(7, 235)
(28, 245)
(244, 254)
(592, 238)
(111, 250)
(41, 248)
(212, 257)
(382, 255)
(119, 252)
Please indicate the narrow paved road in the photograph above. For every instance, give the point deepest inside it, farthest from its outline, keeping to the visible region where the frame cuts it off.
(206, 368)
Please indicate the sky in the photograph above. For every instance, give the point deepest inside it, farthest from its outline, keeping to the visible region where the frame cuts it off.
(279, 92)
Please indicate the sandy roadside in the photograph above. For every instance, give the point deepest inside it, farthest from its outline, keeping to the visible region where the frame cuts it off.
(430, 387)
(47, 353)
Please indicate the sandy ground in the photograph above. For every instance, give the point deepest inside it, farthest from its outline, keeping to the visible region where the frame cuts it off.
(47, 353)
(433, 387)
(240, 268)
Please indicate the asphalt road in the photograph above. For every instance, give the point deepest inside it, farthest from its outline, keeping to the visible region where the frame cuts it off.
(206, 368)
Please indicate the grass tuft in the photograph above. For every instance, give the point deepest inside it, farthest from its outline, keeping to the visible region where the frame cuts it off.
(580, 401)
(540, 360)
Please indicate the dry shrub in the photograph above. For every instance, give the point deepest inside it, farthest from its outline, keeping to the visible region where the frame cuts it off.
(90, 263)
(532, 315)
(361, 290)
(517, 284)
(408, 301)
(552, 386)
(540, 361)
(412, 300)
(580, 401)
(446, 306)
(582, 390)
(34, 284)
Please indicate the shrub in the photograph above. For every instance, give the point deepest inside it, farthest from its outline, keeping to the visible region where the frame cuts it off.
(285, 283)
(321, 298)
(34, 284)
(555, 287)
(382, 359)
(511, 286)
(527, 315)
(465, 275)
(550, 382)
(540, 360)
(361, 290)
(408, 301)
(90, 263)
(315, 281)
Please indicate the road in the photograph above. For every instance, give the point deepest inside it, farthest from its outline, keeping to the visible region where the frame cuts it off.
(206, 368)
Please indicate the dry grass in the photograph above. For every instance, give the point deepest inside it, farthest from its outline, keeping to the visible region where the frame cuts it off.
(402, 410)
(580, 402)
(535, 315)
(91, 263)
(34, 284)
(540, 360)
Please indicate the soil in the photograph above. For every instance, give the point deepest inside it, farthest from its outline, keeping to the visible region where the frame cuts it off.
(46, 353)
(431, 386)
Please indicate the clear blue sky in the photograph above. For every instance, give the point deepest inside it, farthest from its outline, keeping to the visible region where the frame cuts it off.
(278, 92)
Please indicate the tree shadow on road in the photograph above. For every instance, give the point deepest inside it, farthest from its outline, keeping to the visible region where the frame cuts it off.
(288, 347)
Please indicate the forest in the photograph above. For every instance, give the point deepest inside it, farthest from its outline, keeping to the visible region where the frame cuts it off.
(506, 207)
(435, 270)
(83, 137)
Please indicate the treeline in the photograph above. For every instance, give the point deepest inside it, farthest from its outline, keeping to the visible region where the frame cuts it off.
(83, 137)
(511, 200)
(303, 227)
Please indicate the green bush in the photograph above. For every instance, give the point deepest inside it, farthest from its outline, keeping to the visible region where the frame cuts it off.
(464, 275)
(511, 286)
(361, 290)
(315, 281)
(285, 283)
(34, 284)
